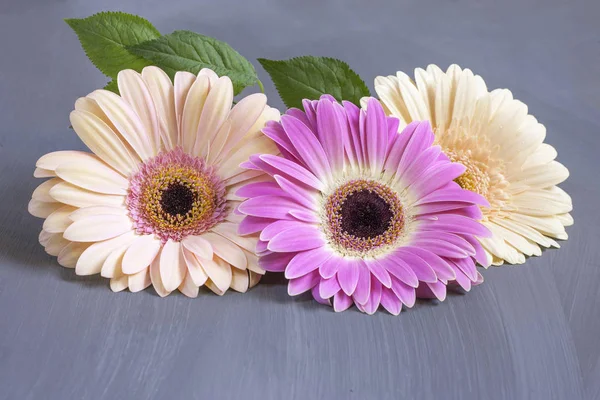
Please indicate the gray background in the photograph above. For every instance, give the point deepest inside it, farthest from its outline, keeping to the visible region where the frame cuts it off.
(530, 332)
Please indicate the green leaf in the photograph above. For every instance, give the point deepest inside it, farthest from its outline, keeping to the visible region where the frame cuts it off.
(189, 51)
(105, 35)
(112, 86)
(310, 77)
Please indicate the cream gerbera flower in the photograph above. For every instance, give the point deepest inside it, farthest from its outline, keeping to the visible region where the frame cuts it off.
(502, 147)
(154, 203)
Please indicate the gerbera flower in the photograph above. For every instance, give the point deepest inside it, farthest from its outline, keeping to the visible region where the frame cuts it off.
(502, 148)
(153, 203)
(358, 213)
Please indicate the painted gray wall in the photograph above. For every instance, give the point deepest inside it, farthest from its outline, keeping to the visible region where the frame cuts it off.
(529, 332)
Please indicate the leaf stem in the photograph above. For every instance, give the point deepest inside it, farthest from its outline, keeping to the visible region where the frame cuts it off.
(260, 85)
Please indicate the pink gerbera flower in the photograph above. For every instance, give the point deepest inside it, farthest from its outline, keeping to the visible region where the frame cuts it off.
(358, 213)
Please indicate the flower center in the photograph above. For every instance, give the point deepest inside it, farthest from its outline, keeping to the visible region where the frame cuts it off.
(174, 195)
(365, 214)
(474, 178)
(363, 218)
(177, 199)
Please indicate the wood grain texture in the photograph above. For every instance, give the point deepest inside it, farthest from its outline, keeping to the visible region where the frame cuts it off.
(529, 332)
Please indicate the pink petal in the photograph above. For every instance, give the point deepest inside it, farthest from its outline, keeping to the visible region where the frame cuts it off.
(379, 272)
(306, 262)
(404, 292)
(376, 130)
(423, 271)
(390, 301)
(455, 224)
(436, 177)
(467, 266)
(259, 189)
(329, 287)
(318, 298)
(275, 262)
(363, 287)
(442, 269)
(307, 146)
(292, 170)
(331, 125)
(303, 284)
(305, 238)
(330, 267)
(251, 224)
(301, 193)
(269, 207)
(279, 226)
(348, 276)
(421, 137)
(400, 269)
(374, 297)
(341, 301)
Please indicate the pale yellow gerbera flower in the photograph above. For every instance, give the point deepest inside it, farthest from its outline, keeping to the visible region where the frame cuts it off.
(502, 147)
(154, 203)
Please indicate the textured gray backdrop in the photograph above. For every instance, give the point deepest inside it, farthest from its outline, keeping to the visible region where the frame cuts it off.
(530, 332)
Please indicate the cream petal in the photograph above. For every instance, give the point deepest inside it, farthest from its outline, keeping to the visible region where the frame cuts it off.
(231, 166)
(242, 117)
(239, 280)
(192, 111)
(78, 197)
(254, 278)
(523, 230)
(412, 99)
(543, 155)
(219, 272)
(44, 236)
(42, 209)
(189, 288)
(93, 174)
(43, 173)
(42, 192)
(253, 262)
(163, 94)
(229, 230)
(210, 74)
(219, 141)
(140, 254)
(85, 212)
(243, 176)
(199, 246)
(172, 265)
(93, 258)
(183, 82)
(543, 176)
(195, 271)
(104, 142)
(119, 283)
(549, 226)
(127, 122)
(214, 288)
(52, 160)
(69, 255)
(517, 241)
(539, 202)
(227, 250)
(59, 220)
(97, 227)
(140, 280)
(156, 280)
(215, 111)
(55, 244)
(135, 92)
(565, 219)
(112, 265)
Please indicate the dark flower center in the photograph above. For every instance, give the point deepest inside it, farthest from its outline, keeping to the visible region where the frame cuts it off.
(177, 199)
(365, 214)
(363, 218)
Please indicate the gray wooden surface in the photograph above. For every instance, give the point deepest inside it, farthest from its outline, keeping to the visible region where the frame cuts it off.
(530, 332)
